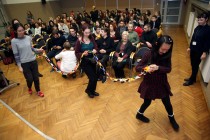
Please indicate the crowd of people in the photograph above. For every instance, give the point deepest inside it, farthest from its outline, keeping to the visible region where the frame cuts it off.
(119, 31)
(78, 37)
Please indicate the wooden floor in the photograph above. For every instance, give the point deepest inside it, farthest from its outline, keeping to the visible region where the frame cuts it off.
(66, 113)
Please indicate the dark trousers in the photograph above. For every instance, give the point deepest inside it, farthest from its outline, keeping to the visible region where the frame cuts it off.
(118, 68)
(90, 70)
(195, 58)
(30, 71)
(166, 102)
(103, 58)
(52, 54)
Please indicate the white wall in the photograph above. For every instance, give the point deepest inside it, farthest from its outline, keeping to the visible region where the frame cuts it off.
(21, 1)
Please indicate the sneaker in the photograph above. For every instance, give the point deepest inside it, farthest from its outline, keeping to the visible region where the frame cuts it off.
(30, 91)
(39, 93)
(142, 117)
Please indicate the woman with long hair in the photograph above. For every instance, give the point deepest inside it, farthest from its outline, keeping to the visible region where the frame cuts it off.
(155, 84)
(84, 49)
(25, 58)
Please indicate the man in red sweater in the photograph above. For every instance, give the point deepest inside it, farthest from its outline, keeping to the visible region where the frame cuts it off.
(138, 29)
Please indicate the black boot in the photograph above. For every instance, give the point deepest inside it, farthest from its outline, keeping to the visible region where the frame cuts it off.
(40, 75)
(90, 94)
(173, 123)
(74, 75)
(96, 93)
(142, 117)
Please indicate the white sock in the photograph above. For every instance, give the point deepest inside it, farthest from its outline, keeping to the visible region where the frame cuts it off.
(140, 113)
(171, 115)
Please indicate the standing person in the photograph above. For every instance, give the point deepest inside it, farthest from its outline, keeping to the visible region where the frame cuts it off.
(199, 47)
(83, 47)
(155, 84)
(29, 17)
(25, 58)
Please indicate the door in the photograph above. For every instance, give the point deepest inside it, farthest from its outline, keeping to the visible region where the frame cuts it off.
(171, 11)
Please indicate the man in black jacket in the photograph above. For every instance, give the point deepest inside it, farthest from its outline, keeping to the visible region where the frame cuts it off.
(72, 38)
(57, 45)
(149, 37)
(105, 46)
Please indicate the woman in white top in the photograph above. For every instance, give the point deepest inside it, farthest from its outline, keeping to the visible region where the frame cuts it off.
(68, 63)
(37, 29)
(63, 28)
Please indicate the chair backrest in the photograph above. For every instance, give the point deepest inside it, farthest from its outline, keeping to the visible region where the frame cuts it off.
(36, 38)
(140, 53)
(41, 43)
(3, 41)
(46, 37)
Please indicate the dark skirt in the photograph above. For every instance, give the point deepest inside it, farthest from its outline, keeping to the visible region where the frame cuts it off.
(154, 86)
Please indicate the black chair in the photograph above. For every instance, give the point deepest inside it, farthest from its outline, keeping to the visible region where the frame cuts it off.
(139, 54)
(36, 38)
(41, 44)
(46, 37)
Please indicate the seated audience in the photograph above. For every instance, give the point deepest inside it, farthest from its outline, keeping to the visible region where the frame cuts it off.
(138, 29)
(121, 28)
(149, 37)
(63, 28)
(121, 55)
(155, 25)
(97, 34)
(105, 46)
(37, 28)
(57, 45)
(27, 30)
(132, 36)
(114, 34)
(43, 29)
(72, 38)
